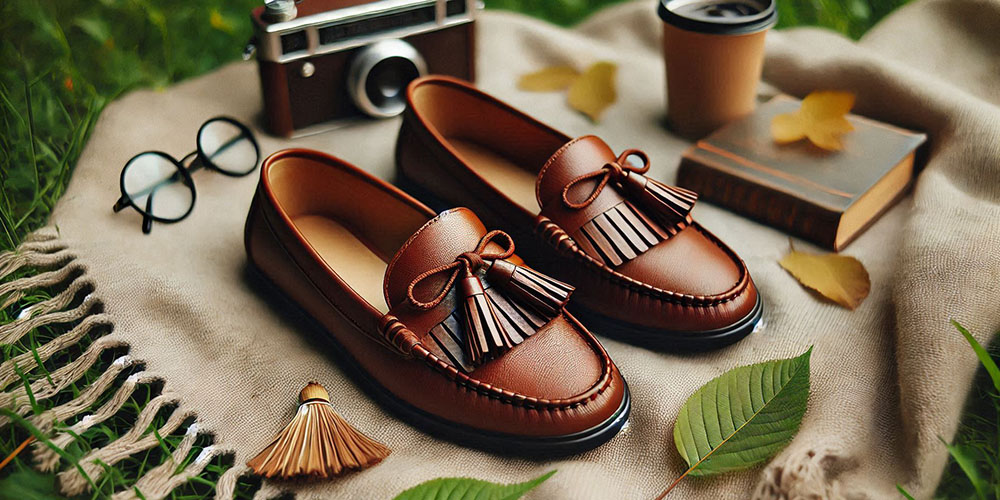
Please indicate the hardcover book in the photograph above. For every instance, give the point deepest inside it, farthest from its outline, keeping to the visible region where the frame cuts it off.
(827, 197)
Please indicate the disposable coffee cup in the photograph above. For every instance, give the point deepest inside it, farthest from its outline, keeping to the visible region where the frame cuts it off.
(714, 52)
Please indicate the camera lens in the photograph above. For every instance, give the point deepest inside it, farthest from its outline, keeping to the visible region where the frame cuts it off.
(379, 75)
(387, 80)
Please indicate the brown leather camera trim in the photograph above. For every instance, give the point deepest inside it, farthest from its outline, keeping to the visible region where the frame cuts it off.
(391, 323)
(563, 243)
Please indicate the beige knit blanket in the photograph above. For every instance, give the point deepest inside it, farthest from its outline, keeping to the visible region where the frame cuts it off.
(888, 378)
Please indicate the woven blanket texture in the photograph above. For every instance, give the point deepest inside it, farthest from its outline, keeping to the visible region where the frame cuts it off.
(887, 379)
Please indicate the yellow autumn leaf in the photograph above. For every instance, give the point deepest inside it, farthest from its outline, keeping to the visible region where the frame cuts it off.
(219, 22)
(787, 128)
(821, 118)
(840, 278)
(548, 79)
(594, 90)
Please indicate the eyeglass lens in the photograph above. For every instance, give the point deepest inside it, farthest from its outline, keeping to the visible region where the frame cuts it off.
(228, 147)
(157, 187)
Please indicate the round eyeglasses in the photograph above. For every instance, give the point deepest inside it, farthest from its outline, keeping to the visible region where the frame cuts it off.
(160, 187)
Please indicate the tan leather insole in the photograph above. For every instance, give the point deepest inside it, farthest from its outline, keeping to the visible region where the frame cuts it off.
(348, 256)
(516, 182)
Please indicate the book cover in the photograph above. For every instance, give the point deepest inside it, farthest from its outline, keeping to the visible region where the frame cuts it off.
(827, 197)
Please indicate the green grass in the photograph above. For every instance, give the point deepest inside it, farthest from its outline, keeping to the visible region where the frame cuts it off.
(974, 469)
(62, 61)
(20, 481)
(851, 17)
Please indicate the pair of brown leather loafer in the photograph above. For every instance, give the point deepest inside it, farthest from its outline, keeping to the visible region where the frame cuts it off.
(440, 319)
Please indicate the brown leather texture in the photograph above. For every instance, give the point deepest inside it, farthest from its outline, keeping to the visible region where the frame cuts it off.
(468, 148)
(345, 246)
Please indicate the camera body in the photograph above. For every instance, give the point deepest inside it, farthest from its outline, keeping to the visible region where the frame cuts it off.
(322, 60)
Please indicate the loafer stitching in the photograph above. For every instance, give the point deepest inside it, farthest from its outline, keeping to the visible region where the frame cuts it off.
(557, 238)
(461, 379)
(687, 300)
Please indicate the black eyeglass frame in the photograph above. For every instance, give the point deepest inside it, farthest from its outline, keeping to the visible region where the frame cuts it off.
(200, 160)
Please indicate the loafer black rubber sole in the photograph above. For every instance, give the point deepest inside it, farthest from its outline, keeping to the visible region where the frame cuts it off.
(507, 444)
(668, 340)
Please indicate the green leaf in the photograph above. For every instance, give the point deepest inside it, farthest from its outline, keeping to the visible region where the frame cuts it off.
(460, 488)
(28, 484)
(982, 354)
(963, 457)
(744, 416)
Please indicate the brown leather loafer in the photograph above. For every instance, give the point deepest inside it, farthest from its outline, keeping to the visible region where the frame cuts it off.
(459, 337)
(645, 272)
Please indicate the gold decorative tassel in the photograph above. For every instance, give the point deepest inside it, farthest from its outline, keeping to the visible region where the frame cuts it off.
(317, 442)
(546, 295)
(485, 337)
(669, 205)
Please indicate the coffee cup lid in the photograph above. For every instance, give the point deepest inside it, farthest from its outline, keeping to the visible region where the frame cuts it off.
(719, 17)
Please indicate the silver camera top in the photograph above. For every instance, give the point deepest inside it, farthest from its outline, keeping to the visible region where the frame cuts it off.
(284, 32)
(279, 10)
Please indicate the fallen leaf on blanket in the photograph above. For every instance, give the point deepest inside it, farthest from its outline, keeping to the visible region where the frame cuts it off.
(822, 119)
(742, 417)
(594, 90)
(590, 92)
(549, 79)
(840, 278)
(458, 488)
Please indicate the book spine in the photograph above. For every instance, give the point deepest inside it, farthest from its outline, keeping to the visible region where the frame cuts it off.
(782, 210)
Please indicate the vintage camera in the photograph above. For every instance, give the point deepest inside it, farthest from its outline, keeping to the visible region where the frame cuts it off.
(322, 60)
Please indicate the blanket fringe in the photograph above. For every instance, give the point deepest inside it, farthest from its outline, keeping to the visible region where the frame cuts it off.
(202, 460)
(56, 303)
(47, 460)
(13, 331)
(44, 279)
(46, 420)
(41, 241)
(18, 401)
(15, 290)
(45, 263)
(161, 480)
(135, 440)
(29, 360)
(11, 263)
(265, 494)
(225, 488)
(803, 475)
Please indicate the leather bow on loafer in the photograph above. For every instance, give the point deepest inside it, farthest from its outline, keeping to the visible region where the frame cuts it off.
(644, 269)
(436, 317)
